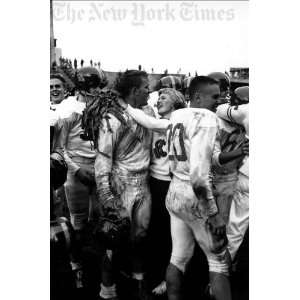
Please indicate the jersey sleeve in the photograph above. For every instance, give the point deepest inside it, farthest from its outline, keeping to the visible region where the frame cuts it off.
(203, 136)
(66, 126)
(147, 121)
(217, 152)
(236, 114)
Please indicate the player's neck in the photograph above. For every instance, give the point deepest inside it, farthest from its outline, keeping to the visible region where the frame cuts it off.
(131, 101)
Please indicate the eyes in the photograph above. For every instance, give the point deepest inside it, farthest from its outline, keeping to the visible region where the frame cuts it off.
(216, 97)
(162, 97)
(56, 86)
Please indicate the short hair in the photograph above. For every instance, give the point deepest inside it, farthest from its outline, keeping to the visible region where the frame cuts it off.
(198, 82)
(128, 80)
(176, 96)
(59, 77)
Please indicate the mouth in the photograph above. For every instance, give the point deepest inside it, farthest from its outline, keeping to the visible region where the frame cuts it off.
(159, 106)
(215, 107)
(55, 93)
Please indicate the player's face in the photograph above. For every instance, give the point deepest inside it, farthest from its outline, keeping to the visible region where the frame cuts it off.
(210, 95)
(165, 104)
(57, 91)
(142, 93)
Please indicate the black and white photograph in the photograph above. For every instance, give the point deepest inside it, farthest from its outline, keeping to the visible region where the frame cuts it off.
(149, 149)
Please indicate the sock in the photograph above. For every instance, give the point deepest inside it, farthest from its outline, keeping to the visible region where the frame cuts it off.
(107, 292)
(138, 276)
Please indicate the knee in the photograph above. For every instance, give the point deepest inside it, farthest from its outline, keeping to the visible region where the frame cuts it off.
(79, 221)
(138, 239)
(138, 232)
(180, 262)
(220, 263)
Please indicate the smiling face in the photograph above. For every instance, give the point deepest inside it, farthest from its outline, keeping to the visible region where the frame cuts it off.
(57, 91)
(165, 105)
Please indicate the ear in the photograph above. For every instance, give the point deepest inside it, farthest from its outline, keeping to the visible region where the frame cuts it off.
(135, 91)
(198, 97)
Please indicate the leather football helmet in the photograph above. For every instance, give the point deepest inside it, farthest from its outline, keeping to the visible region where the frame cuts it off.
(240, 96)
(171, 82)
(87, 78)
(223, 80)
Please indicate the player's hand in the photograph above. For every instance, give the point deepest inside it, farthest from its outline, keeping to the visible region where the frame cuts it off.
(245, 147)
(216, 224)
(108, 226)
(85, 176)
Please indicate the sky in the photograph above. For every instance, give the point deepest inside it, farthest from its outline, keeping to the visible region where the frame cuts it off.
(202, 36)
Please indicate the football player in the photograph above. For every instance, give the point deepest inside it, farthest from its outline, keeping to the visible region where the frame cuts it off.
(192, 142)
(121, 172)
(57, 88)
(237, 112)
(224, 83)
(80, 187)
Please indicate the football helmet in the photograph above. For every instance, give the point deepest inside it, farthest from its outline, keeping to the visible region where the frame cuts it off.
(223, 80)
(171, 82)
(87, 78)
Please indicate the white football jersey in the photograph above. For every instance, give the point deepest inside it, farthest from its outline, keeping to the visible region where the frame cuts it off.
(239, 115)
(191, 140)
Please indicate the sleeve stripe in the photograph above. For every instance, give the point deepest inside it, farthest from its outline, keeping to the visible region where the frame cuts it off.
(229, 114)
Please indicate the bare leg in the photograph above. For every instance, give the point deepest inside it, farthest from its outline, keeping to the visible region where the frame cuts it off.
(108, 289)
(107, 270)
(220, 286)
(174, 278)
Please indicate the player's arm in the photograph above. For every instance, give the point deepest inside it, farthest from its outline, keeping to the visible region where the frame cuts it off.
(236, 114)
(202, 148)
(56, 123)
(220, 158)
(203, 137)
(147, 121)
(226, 157)
(83, 174)
(65, 125)
(104, 162)
(216, 151)
(239, 115)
